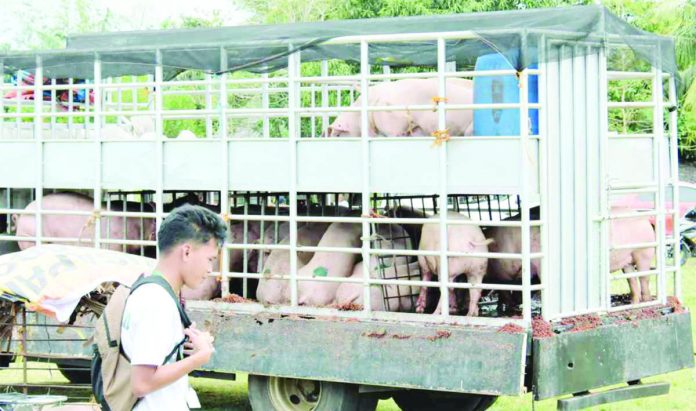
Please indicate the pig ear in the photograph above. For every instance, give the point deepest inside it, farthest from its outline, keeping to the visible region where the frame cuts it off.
(327, 132)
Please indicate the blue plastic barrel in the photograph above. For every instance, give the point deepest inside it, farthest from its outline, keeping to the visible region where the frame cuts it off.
(501, 89)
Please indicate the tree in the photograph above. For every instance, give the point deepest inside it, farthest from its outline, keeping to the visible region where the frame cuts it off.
(675, 18)
(288, 11)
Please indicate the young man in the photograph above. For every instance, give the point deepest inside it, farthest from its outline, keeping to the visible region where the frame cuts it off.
(188, 240)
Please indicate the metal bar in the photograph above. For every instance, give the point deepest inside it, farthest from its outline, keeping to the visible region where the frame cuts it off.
(2, 100)
(631, 136)
(633, 306)
(209, 106)
(634, 274)
(38, 129)
(674, 156)
(388, 252)
(640, 214)
(633, 186)
(379, 220)
(579, 90)
(98, 121)
(26, 386)
(23, 331)
(374, 281)
(347, 79)
(225, 189)
(245, 254)
(633, 190)
(544, 185)
(265, 103)
(365, 166)
(159, 131)
(18, 108)
(632, 75)
(658, 175)
(630, 104)
(630, 392)
(443, 275)
(636, 245)
(524, 195)
(325, 95)
(293, 131)
(604, 210)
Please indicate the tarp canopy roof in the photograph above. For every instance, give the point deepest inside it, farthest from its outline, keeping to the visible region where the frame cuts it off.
(516, 34)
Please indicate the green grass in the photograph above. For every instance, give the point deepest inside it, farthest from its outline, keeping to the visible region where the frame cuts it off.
(218, 395)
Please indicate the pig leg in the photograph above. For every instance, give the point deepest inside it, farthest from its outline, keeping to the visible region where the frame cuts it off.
(643, 264)
(426, 275)
(645, 289)
(475, 293)
(474, 297)
(633, 284)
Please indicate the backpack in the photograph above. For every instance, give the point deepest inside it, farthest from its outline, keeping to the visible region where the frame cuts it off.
(111, 368)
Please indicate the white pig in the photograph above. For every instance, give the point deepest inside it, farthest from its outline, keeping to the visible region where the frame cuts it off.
(460, 238)
(408, 123)
(626, 231)
(328, 264)
(276, 291)
(80, 226)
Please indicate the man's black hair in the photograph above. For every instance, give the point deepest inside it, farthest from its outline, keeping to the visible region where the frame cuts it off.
(190, 223)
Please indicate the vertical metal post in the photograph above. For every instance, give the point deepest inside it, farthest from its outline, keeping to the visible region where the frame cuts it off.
(71, 106)
(265, 102)
(208, 106)
(313, 104)
(674, 163)
(18, 101)
(2, 100)
(25, 377)
(659, 177)
(443, 276)
(224, 150)
(324, 95)
(38, 138)
(245, 252)
(53, 108)
(544, 178)
(604, 210)
(98, 119)
(134, 94)
(524, 196)
(159, 131)
(293, 130)
(365, 157)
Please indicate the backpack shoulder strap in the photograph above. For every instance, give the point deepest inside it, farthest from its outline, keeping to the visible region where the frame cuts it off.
(161, 281)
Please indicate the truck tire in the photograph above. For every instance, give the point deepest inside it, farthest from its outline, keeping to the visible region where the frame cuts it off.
(291, 394)
(6, 359)
(76, 371)
(421, 400)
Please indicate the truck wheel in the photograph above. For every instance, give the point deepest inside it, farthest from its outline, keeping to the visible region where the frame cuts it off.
(76, 371)
(292, 394)
(5, 359)
(420, 400)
